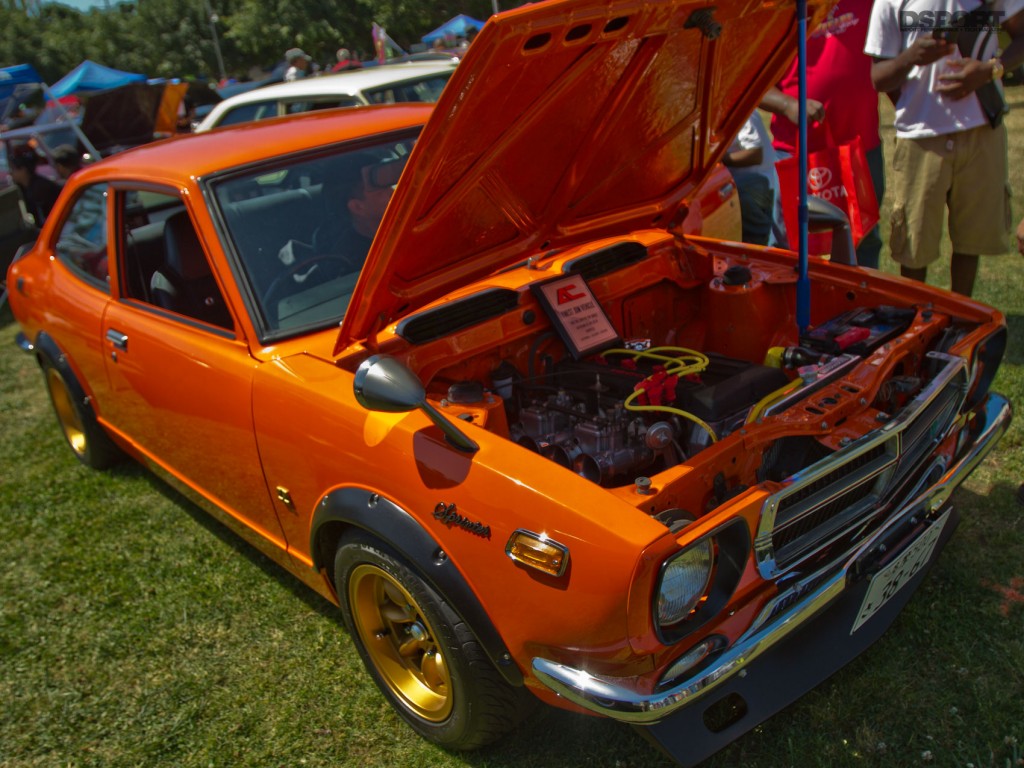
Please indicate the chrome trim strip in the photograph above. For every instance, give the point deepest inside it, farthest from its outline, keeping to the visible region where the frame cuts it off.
(617, 700)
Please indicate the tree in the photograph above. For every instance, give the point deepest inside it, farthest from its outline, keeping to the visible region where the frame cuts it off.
(173, 38)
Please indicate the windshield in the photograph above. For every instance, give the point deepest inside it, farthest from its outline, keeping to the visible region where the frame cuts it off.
(300, 229)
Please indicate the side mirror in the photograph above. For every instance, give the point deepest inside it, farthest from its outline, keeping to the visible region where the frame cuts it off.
(822, 216)
(384, 384)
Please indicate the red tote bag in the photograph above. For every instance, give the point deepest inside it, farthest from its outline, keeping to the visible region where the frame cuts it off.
(838, 174)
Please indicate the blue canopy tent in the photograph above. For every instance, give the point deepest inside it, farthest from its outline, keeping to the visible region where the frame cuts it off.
(456, 26)
(12, 77)
(24, 75)
(90, 76)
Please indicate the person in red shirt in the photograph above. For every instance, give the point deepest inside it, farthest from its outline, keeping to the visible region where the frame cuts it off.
(841, 101)
(346, 61)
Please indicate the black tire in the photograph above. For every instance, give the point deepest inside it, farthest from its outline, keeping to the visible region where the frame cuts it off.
(86, 438)
(422, 656)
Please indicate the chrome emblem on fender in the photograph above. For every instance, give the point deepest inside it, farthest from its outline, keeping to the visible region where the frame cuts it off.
(448, 515)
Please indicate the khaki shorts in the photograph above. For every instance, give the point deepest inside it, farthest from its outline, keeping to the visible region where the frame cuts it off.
(966, 171)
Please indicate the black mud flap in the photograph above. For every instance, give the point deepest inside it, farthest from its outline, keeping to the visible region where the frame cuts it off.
(788, 670)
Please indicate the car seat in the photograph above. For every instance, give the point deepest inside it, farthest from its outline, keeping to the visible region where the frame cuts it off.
(184, 283)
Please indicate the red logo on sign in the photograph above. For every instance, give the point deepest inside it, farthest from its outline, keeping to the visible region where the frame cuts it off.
(565, 295)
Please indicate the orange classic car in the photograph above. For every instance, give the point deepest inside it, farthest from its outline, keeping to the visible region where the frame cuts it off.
(537, 441)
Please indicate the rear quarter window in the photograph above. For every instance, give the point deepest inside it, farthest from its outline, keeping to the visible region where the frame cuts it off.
(427, 89)
(245, 113)
(295, 107)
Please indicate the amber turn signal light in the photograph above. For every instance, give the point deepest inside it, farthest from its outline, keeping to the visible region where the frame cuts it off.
(537, 551)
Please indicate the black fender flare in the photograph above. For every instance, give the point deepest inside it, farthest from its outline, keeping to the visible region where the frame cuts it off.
(46, 347)
(370, 512)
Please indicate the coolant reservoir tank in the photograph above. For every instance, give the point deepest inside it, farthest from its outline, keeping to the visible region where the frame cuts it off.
(743, 313)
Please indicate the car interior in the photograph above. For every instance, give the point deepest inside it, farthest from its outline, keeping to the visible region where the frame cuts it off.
(271, 220)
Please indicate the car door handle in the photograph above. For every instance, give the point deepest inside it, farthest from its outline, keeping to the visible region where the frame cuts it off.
(118, 339)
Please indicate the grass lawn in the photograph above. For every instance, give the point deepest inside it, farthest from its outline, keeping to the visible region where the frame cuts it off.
(135, 631)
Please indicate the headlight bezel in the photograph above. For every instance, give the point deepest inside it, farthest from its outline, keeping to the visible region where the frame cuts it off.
(730, 545)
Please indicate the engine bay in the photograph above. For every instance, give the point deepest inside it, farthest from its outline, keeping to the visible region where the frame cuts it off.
(625, 410)
(638, 410)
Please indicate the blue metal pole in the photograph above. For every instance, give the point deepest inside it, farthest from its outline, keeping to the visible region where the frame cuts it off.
(803, 283)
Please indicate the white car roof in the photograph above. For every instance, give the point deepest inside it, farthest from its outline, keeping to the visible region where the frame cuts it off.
(350, 83)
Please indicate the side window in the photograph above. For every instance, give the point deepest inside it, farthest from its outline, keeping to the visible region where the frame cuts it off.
(164, 261)
(428, 89)
(247, 112)
(82, 242)
(295, 107)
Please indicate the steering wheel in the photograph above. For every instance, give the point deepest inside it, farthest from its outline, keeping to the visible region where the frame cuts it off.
(287, 278)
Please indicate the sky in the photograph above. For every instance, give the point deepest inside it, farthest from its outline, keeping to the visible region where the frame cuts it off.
(84, 5)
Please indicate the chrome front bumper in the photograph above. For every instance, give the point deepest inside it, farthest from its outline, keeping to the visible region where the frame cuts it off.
(615, 700)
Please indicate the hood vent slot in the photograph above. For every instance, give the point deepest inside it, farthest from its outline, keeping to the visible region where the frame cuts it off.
(444, 320)
(606, 260)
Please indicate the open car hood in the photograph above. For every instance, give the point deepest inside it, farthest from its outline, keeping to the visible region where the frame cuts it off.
(568, 120)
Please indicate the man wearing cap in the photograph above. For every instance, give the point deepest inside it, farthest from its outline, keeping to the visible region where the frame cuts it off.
(298, 64)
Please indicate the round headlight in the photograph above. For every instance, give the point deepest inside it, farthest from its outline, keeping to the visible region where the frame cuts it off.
(684, 581)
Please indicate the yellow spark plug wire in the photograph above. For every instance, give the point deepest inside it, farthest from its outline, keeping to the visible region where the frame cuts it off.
(683, 362)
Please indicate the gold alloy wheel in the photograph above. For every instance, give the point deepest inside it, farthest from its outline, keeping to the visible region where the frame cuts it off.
(400, 642)
(67, 414)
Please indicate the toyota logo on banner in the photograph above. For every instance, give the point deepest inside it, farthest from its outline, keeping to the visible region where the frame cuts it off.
(819, 178)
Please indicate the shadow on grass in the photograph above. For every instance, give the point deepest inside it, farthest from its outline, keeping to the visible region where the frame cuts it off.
(1015, 351)
(6, 318)
(223, 533)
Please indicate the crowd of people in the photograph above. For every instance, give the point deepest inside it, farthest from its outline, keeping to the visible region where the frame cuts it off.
(941, 68)
(300, 64)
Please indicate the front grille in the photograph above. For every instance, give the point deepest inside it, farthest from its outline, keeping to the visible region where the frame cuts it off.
(786, 539)
(930, 425)
(827, 500)
(809, 493)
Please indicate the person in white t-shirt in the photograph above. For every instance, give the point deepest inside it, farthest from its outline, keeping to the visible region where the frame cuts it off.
(751, 160)
(942, 69)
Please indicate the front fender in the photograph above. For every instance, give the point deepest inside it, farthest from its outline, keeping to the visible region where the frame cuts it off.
(356, 507)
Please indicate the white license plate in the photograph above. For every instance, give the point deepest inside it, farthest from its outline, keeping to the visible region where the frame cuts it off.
(891, 579)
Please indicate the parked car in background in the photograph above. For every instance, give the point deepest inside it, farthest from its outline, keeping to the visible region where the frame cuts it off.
(538, 442)
(390, 84)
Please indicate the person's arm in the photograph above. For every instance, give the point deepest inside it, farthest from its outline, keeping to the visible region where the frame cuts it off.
(968, 75)
(1020, 237)
(889, 75)
(778, 103)
(743, 158)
